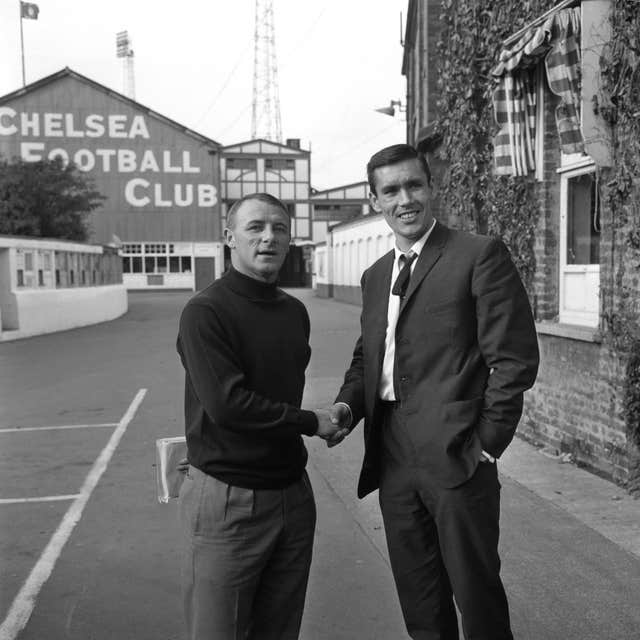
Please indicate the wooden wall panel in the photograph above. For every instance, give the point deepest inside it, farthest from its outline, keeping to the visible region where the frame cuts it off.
(136, 159)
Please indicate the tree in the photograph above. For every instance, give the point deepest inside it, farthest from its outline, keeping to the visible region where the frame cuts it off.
(46, 199)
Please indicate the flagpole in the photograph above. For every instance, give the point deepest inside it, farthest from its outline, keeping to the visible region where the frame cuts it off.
(24, 82)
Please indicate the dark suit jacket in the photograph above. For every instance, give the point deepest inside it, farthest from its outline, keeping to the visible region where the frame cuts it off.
(466, 350)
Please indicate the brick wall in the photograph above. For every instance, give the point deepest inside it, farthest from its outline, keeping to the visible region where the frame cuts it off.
(546, 247)
(575, 405)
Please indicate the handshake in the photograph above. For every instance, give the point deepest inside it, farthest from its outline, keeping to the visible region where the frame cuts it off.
(334, 424)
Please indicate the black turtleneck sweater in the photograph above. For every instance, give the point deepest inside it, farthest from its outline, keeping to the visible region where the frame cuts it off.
(244, 345)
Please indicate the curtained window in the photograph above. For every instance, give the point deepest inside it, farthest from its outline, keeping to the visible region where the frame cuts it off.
(552, 50)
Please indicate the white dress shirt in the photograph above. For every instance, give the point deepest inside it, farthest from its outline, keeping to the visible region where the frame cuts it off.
(385, 387)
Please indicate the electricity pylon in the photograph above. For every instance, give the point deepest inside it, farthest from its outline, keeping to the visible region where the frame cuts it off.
(265, 120)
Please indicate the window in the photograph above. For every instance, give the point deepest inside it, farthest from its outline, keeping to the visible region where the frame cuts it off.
(248, 164)
(158, 247)
(583, 221)
(40, 278)
(335, 212)
(136, 264)
(174, 264)
(548, 54)
(579, 247)
(279, 163)
(302, 228)
(132, 248)
(20, 277)
(28, 261)
(126, 264)
(186, 264)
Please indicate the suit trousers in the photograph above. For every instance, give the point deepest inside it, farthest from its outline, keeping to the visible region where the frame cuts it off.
(247, 555)
(443, 543)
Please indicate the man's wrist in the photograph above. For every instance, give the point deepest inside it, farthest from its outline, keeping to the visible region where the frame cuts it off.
(309, 422)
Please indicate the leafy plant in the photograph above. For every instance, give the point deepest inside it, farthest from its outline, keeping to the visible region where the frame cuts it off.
(470, 41)
(45, 199)
(471, 37)
(620, 70)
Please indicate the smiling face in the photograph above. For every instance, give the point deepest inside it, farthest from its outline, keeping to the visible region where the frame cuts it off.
(401, 195)
(259, 240)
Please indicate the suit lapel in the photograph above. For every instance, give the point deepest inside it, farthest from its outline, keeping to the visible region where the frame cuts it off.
(378, 298)
(376, 310)
(429, 255)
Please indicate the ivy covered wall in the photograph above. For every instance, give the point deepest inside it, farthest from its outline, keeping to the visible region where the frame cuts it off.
(518, 209)
(620, 68)
(472, 36)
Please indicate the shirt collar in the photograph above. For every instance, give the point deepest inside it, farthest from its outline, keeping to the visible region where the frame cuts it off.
(417, 246)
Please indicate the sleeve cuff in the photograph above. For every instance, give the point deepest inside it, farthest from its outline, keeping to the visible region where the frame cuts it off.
(488, 457)
(308, 422)
(344, 404)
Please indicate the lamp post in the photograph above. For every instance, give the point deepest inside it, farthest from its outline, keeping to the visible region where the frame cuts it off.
(391, 109)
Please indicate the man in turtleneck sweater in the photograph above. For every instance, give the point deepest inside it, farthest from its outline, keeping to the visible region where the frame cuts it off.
(246, 505)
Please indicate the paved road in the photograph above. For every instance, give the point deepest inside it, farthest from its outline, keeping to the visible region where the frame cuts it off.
(570, 555)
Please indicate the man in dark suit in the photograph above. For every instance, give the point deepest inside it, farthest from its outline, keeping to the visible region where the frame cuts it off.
(447, 348)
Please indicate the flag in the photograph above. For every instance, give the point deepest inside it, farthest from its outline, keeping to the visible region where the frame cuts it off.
(29, 10)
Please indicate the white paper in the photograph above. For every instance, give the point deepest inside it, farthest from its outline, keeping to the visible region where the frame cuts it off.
(169, 452)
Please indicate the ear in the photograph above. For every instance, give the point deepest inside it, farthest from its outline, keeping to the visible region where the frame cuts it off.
(373, 201)
(228, 238)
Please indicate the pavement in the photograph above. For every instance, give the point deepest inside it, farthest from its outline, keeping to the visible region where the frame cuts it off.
(594, 501)
(570, 541)
(561, 525)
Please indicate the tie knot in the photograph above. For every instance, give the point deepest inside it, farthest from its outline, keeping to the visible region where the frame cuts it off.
(407, 258)
(400, 286)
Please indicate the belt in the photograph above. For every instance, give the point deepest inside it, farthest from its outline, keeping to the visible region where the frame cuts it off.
(390, 405)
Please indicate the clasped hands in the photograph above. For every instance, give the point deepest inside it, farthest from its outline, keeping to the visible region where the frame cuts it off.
(333, 424)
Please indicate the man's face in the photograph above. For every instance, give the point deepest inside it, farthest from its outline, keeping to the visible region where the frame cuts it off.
(259, 240)
(402, 192)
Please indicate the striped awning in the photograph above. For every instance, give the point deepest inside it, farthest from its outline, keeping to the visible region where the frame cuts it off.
(557, 41)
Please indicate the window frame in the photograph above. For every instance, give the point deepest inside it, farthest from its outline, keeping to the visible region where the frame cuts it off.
(585, 317)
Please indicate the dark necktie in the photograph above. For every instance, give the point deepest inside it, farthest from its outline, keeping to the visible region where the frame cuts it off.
(402, 281)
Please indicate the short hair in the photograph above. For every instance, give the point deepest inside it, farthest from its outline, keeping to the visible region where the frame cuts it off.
(392, 155)
(267, 198)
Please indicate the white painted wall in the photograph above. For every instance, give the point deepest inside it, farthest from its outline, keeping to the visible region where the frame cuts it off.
(48, 310)
(137, 281)
(357, 245)
(35, 308)
(321, 265)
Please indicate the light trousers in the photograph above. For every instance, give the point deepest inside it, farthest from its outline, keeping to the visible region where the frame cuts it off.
(247, 555)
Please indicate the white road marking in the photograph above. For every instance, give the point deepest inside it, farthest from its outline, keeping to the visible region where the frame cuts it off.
(62, 426)
(24, 603)
(42, 499)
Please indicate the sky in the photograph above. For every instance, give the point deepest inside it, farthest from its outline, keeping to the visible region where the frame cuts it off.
(338, 60)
